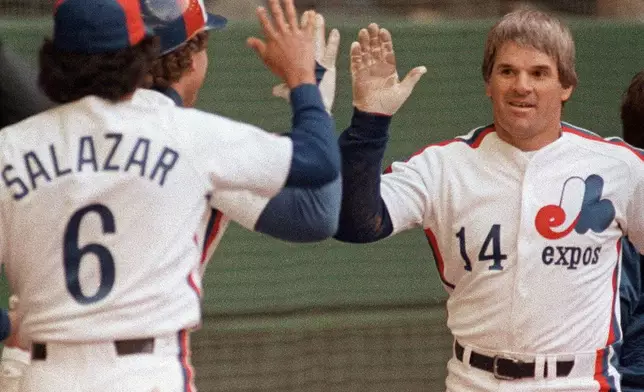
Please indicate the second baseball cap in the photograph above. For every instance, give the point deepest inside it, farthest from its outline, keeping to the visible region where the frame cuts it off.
(98, 26)
(176, 21)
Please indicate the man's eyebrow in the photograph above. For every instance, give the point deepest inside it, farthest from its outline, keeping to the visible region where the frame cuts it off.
(533, 67)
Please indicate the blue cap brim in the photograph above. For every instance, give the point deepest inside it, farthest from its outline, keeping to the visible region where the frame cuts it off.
(215, 22)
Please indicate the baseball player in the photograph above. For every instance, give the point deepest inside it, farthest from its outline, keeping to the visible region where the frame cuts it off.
(524, 216)
(19, 99)
(631, 360)
(112, 187)
(311, 213)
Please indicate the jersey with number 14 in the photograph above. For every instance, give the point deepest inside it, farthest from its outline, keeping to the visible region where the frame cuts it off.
(105, 211)
(526, 243)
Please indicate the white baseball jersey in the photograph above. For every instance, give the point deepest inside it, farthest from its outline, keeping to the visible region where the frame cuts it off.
(239, 205)
(527, 244)
(105, 208)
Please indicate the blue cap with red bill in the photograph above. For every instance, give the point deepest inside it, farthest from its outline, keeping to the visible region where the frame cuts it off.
(177, 21)
(98, 26)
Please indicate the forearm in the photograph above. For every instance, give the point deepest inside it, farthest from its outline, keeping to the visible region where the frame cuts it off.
(301, 214)
(316, 158)
(363, 215)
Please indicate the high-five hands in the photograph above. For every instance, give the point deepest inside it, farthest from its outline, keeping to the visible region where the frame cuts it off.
(289, 51)
(326, 53)
(376, 88)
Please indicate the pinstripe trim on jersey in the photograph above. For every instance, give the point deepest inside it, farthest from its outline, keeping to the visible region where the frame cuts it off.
(438, 258)
(212, 229)
(595, 137)
(606, 357)
(184, 359)
(474, 141)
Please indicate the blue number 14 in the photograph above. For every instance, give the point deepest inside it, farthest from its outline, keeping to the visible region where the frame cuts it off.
(492, 240)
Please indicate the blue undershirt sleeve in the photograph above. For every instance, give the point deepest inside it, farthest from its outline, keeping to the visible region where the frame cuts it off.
(5, 324)
(363, 214)
(302, 214)
(316, 158)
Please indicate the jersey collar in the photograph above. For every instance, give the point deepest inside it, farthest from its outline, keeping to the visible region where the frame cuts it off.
(172, 94)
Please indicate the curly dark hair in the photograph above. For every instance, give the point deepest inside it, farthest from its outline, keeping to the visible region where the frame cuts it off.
(170, 67)
(69, 76)
(632, 112)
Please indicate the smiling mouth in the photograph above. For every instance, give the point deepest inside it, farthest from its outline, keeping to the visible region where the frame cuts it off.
(521, 105)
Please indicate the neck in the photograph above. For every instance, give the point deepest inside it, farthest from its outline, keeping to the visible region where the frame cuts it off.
(181, 89)
(530, 142)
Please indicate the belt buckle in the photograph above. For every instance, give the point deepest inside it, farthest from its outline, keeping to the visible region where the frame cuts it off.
(495, 367)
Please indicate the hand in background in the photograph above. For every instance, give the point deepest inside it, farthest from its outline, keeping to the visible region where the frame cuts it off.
(326, 54)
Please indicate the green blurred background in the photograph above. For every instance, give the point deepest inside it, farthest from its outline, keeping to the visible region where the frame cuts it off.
(338, 317)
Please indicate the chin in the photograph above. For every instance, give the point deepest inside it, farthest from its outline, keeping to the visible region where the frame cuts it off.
(518, 128)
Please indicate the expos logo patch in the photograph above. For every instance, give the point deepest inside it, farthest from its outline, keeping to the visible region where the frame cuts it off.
(581, 208)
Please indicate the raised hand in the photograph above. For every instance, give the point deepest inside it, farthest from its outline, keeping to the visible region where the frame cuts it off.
(376, 87)
(326, 54)
(289, 51)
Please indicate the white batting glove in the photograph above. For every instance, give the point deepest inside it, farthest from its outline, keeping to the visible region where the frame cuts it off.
(326, 54)
(376, 88)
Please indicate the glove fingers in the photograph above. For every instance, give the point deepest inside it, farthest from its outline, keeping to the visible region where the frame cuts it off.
(331, 52)
(412, 78)
(374, 41)
(387, 47)
(356, 57)
(365, 48)
(319, 40)
(282, 91)
(304, 19)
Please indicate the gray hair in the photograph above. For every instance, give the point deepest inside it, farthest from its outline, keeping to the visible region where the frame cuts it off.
(535, 29)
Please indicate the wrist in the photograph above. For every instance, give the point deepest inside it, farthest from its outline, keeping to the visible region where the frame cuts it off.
(298, 78)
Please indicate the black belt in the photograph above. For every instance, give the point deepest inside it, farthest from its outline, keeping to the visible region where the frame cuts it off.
(123, 347)
(505, 368)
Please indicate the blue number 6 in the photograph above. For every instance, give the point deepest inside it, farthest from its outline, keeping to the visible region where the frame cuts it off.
(72, 254)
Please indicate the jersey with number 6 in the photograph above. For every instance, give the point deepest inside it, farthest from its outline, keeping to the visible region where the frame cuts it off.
(526, 243)
(104, 211)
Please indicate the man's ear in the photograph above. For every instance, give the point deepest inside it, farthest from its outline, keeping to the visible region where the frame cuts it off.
(566, 93)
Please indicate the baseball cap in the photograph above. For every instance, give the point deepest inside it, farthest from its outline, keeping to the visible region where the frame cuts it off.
(177, 21)
(98, 26)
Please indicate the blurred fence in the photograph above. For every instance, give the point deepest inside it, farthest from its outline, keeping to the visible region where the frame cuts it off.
(334, 317)
(243, 9)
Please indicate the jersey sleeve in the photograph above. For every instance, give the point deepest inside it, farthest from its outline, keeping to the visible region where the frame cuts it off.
(237, 156)
(405, 194)
(240, 205)
(242, 156)
(294, 214)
